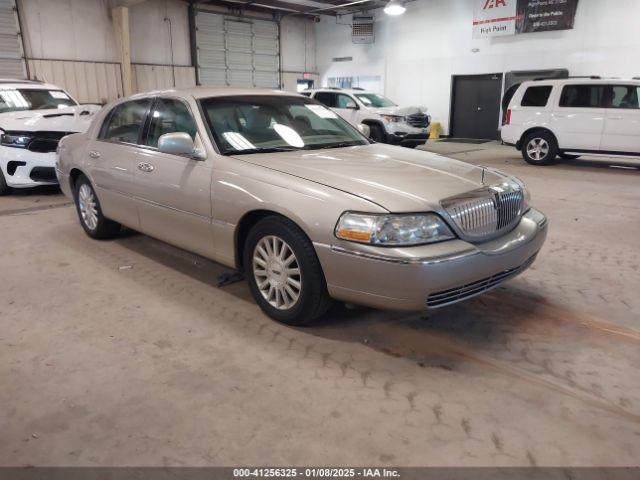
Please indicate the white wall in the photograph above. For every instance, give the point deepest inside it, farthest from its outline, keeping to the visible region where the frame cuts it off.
(298, 50)
(417, 53)
(83, 30)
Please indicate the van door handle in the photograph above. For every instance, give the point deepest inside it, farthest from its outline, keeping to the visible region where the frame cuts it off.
(559, 115)
(615, 118)
(94, 154)
(145, 167)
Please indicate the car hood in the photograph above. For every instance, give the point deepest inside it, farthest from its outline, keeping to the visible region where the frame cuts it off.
(68, 119)
(396, 178)
(404, 111)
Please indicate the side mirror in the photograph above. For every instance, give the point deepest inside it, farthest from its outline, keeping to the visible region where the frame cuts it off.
(177, 143)
(351, 105)
(364, 129)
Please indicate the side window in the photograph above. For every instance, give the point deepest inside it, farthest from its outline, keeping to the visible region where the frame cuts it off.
(536, 96)
(624, 96)
(344, 100)
(326, 98)
(125, 122)
(168, 116)
(582, 96)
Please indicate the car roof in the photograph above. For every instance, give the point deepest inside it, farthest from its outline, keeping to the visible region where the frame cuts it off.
(13, 83)
(206, 92)
(336, 90)
(580, 81)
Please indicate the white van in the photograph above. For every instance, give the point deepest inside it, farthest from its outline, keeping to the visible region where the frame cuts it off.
(569, 117)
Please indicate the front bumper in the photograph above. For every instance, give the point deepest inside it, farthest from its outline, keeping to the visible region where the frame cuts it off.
(406, 135)
(24, 169)
(429, 276)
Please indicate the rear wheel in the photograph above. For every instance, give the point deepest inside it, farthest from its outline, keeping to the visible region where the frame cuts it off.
(284, 273)
(539, 148)
(3, 184)
(94, 223)
(377, 133)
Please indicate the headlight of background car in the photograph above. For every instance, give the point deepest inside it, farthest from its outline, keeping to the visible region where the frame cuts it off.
(15, 139)
(393, 118)
(392, 230)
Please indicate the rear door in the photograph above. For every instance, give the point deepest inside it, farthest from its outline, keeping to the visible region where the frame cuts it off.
(174, 191)
(622, 122)
(111, 160)
(578, 118)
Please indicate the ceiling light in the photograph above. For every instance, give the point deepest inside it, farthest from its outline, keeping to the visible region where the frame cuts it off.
(394, 7)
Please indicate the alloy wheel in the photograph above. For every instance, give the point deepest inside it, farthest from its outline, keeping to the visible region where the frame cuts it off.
(538, 149)
(277, 272)
(88, 206)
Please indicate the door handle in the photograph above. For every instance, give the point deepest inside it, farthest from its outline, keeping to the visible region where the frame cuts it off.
(94, 154)
(145, 167)
(559, 115)
(615, 118)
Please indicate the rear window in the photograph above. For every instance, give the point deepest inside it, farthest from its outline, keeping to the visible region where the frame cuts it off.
(536, 96)
(582, 96)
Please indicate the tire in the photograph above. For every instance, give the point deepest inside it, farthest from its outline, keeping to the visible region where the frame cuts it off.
(539, 148)
(3, 185)
(94, 223)
(298, 298)
(377, 134)
(568, 156)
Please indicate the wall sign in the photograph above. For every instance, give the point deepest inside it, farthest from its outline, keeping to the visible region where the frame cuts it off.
(494, 18)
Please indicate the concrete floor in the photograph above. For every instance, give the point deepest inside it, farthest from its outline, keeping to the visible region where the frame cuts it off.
(126, 352)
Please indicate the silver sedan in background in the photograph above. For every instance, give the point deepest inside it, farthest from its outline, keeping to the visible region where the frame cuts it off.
(280, 187)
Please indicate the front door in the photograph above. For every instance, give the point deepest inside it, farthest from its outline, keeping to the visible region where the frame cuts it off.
(622, 120)
(476, 106)
(174, 191)
(347, 108)
(111, 160)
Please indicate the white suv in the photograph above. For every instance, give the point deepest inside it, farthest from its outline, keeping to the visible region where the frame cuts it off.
(549, 118)
(388, 123)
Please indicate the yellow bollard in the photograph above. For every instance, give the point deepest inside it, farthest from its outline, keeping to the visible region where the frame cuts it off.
(436, 128)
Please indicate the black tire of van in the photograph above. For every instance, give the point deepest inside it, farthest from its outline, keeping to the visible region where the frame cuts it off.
(539, 148)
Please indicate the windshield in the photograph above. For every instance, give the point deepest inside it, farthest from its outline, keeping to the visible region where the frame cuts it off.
(375, 100)
(33, 99)
(262, 123)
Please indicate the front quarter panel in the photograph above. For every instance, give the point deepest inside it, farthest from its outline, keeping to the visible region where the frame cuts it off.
(240, 188)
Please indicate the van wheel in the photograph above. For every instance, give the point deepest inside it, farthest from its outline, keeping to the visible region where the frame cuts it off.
(3, 184)
(377, 134)
(568, 156)
(94, 223)
(284, 273)
(539, 148)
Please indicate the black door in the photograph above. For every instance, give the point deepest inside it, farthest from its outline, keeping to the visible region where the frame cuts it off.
(475, 109)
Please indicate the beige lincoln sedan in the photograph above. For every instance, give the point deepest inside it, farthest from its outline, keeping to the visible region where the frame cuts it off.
(280, 187)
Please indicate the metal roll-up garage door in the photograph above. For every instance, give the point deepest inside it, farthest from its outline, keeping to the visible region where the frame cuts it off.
(11, 56)
(240, 52)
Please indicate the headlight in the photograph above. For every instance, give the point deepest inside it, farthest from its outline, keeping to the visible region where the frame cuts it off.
(393, 118)
(16, 139)
(392, 230)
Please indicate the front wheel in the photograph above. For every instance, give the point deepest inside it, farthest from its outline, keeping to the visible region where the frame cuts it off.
(3, 184)
(94, 223)
(539, 148)
(377, 134)
(284, 273)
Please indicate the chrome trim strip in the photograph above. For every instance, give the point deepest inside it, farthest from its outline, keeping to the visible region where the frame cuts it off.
(406, 261)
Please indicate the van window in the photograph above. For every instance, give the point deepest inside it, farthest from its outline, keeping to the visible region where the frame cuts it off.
(624, 96)
(582, 96)
(536, 96)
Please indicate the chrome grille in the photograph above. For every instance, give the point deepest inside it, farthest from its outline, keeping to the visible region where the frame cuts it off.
(418, 120)
(483, 213)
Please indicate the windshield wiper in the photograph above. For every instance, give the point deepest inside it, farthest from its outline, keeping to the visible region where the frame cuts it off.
(262, 150)
(334, 145)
